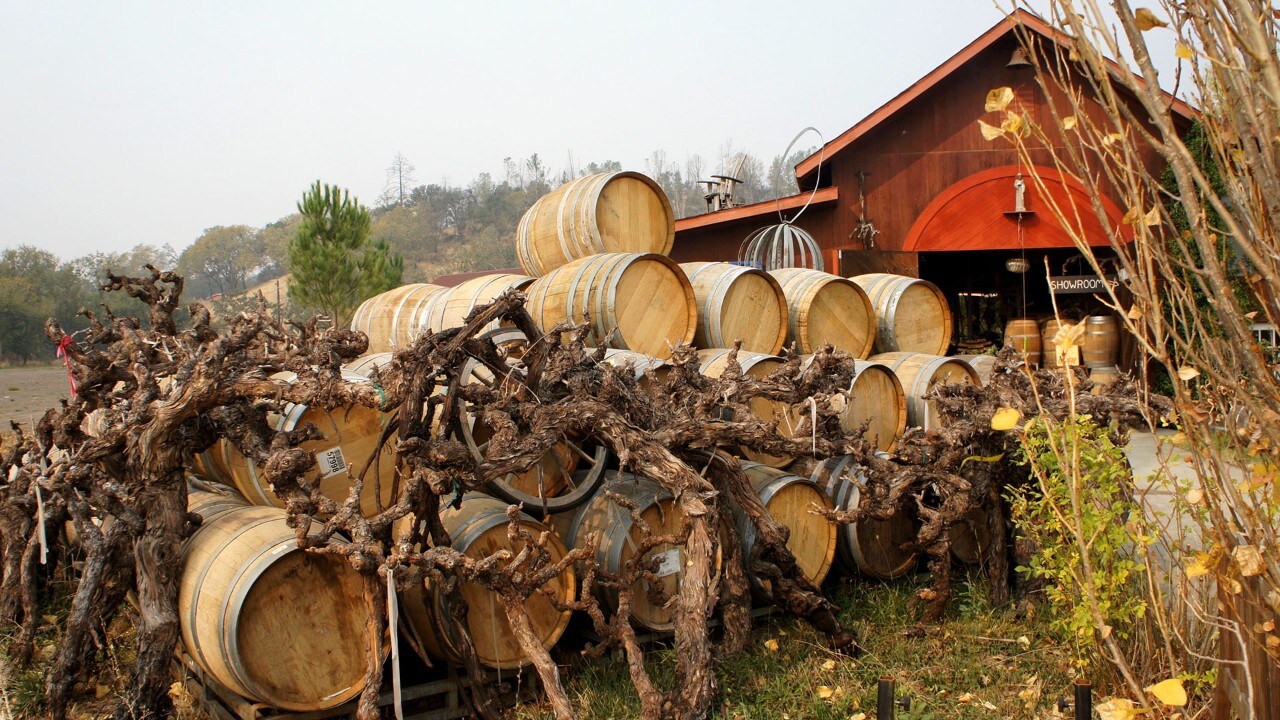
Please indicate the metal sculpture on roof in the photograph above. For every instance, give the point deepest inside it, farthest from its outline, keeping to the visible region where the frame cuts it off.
(784, 245)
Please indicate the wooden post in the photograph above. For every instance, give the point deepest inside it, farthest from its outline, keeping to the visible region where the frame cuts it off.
(1246, 650)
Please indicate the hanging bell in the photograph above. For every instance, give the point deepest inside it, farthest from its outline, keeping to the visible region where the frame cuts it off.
(1018, 60)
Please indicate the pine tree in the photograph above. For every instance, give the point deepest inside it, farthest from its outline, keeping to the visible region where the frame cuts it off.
(334, 263)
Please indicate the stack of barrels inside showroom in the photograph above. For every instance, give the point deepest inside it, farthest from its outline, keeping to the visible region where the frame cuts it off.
(1095, 347)
(594, 250)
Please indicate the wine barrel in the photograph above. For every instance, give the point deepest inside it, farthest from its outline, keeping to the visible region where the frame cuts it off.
(788, 498)
(565, 476)
(912, 315)
(875, 399)
(648, 370)
(920, 373)
(737, 303)
(983, 365)
(645, 300)
(826, 309)
(350, 439)
(1103, 376)
(1023, 335)
(366, 364)
(970, 538)
(1049, 352)
(713, 363)
(271, 622)
(394, 318)
(871, 547)
(478, 529)
(619, 212)
(619, 537)
(211, 464)
(450, 309)
(1101, 341)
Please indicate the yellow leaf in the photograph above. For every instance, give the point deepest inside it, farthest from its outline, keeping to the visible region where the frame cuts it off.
(858, 716)
(1152, 218)
(1131, 216)
(989, 706)
(966, 698)
(49, 619)
(981, 458)
(1169, 692)
(1183, 51)
(989, 132)
(1179, 438)
(829, 665)
(1198, 565)
(1005, 419)
(825, 692)
(1106, 631)
(1013, 124)
(771, 644)
(1135, 313)
(1069, 335)
(1069, 122)
(1024, 641)
(1195, 496)
(998, 99)
(1249, 558)
(1117, 709)
(1146, 20)
(1186, 373)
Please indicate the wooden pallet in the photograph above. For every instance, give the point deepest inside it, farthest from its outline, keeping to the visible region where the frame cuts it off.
(438, 699)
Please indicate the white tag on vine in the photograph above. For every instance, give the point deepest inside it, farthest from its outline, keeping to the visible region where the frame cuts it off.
(668, 562)
(331, 462)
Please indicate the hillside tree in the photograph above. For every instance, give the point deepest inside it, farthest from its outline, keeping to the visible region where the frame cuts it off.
(223, 258)
(334, 262)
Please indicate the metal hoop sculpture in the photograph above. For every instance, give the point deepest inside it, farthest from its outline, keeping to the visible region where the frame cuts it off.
(565, 477)
(784, 245)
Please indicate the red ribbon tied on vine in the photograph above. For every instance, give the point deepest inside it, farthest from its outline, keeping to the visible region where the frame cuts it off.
(66, 360)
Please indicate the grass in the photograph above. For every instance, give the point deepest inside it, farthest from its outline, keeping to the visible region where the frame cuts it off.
(981, 662)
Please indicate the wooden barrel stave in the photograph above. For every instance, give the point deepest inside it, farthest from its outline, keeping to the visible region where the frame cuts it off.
(245, 585)
(392, 319)
(983, 365)
(912, 315)
(872, 547)
(478, 528)
(787, 498)
(452, 307)
(826, 309)
(1101, 341)
(920, 373)
(714, 362)
(1023, 335)
(875, 399)
(737, 303)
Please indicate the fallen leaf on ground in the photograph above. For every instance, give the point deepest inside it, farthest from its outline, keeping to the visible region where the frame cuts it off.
(771, 644)
(825, 692)
(1117, 709)
(829, 665)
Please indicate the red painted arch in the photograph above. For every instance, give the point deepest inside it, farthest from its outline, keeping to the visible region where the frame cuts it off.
(972, 214)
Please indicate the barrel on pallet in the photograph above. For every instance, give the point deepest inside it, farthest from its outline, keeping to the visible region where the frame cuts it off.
(826, 309)
(478, 529)
(872, 547)
(394, 318)
(645, 300)
(351, 440)
(875, 399)
(714, 362)
(737, 303)
(619, 212)
(1101, 341)
(274, 623)
(450, 309)
(788, 499)
(619, 538)
(920, 373)
(1023, 335)
(912, 315)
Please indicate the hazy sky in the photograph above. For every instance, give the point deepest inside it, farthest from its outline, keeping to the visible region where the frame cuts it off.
(127, 122)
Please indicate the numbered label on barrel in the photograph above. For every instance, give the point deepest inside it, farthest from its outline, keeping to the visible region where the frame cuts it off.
(331, 462)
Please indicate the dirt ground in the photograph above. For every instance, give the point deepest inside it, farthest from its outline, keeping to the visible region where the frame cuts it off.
(29, 391)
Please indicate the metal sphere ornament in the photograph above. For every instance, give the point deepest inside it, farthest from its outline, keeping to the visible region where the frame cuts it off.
(784, 245)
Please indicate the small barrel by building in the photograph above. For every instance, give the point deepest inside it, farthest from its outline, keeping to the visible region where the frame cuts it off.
(788, 499)
(1050, 357)
(394, 318)
(1101, 341)
(872, 547)
(737, 303)
(645, 300)
(619, 537)
(478, 528)
(619, 212)
(351, 439)
(826, 309)
(912, 315)
(875, 399)
(713, 363)
(450, 309)
(920, 373)
(271, 622)
(1023, 335)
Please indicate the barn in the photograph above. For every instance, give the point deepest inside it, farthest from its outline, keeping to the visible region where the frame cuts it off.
(914, 189)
